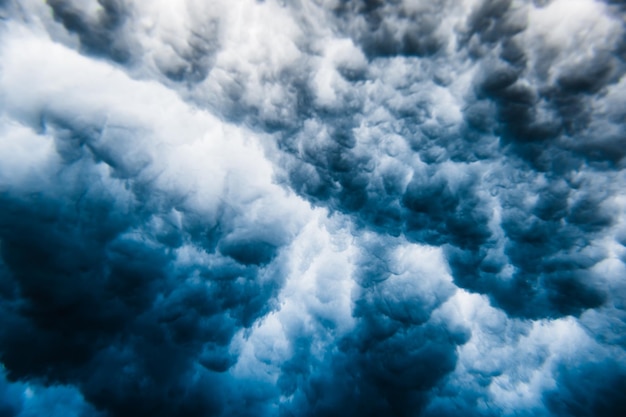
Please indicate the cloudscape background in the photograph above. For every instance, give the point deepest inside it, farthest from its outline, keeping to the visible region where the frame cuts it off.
(312, 208)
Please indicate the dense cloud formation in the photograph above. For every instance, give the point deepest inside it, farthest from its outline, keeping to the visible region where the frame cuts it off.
(312, 208)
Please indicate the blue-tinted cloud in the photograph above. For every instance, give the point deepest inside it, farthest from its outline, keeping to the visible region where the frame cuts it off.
(312, 208)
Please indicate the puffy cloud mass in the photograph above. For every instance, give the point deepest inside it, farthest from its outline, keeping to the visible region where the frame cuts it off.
(312, 208)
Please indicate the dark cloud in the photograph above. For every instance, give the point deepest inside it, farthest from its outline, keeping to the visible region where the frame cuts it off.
(90, 272)
(590, 389)
(396, 353)
(473, 153)
(108, 29)
(10, 404)
(108, 307)
(386, 29)
(383, 373)
(494, 22)
(31, 400)
(550, 250)
(98, 34)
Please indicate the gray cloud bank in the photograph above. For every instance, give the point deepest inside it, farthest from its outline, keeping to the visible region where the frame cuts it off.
(312, 208)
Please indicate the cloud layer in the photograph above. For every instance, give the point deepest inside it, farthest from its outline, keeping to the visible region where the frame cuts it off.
(312, 208)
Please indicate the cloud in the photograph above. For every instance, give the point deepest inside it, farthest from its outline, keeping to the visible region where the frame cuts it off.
(312, 208)
(116, 252)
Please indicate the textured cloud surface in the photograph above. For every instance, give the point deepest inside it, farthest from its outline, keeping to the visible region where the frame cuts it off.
(312, 208)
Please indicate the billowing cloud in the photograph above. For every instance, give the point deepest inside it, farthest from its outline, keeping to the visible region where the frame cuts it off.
(312, 208)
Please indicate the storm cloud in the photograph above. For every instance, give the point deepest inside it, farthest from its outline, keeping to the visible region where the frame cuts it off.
(312, 208)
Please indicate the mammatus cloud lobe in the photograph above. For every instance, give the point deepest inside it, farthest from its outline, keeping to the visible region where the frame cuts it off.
(312, 208)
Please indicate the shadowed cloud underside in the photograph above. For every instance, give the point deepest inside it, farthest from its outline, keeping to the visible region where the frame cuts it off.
(312, 208)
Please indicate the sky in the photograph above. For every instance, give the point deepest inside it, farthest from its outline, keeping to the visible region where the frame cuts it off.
(304, 208)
